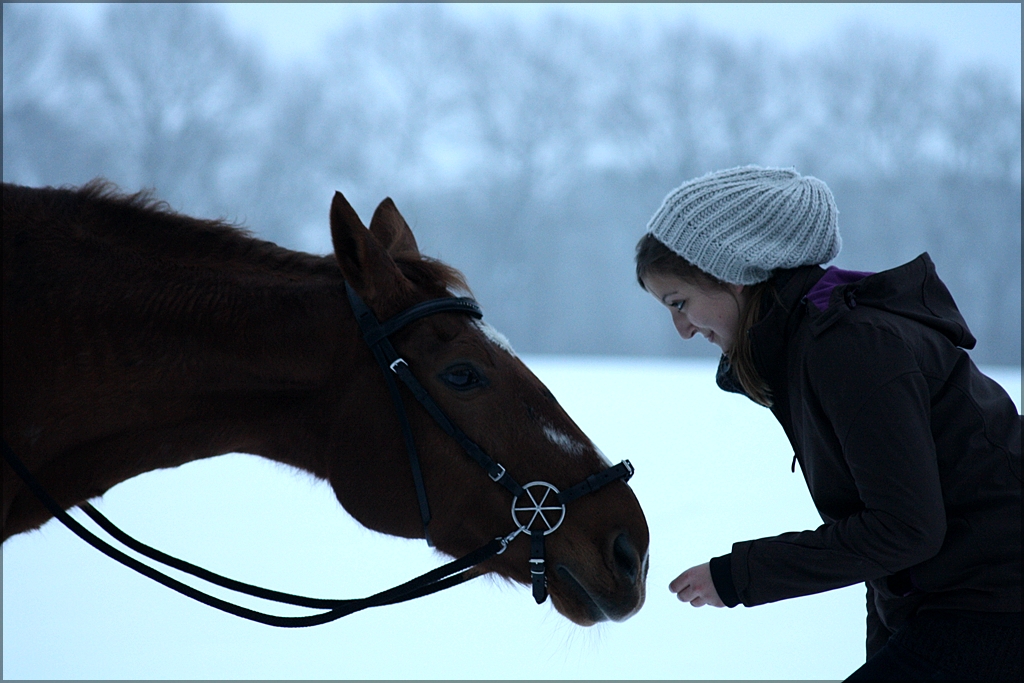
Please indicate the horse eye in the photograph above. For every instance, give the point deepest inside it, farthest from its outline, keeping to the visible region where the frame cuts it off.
(463, 378)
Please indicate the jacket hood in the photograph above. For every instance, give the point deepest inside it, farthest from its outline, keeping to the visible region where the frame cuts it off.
(913, 291)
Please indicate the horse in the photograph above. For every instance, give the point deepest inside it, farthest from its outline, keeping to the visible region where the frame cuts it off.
(137, 338)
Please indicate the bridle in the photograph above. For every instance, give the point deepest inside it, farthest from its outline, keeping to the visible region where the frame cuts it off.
(538, 508)
(539, 493)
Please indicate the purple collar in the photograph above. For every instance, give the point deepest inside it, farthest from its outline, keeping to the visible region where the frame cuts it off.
(833, 277)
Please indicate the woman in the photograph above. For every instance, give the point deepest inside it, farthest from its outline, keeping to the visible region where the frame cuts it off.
(911, 455)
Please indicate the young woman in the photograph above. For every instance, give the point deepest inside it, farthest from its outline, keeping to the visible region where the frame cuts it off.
(911, 455)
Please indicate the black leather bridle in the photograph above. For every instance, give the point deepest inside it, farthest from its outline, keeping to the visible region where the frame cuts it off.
(534, 510)
(538, 493)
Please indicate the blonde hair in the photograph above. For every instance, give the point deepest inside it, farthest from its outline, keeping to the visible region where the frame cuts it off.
(653, 257)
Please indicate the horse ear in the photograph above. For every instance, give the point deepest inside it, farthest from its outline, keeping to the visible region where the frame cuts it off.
(362, 258)
(394, 234)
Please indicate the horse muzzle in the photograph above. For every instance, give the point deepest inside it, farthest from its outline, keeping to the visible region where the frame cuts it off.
(614, 596)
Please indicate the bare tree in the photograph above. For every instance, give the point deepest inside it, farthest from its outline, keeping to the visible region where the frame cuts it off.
(530, 156)
(981, 120)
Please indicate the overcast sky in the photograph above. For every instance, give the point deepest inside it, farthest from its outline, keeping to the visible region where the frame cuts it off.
(963, 33)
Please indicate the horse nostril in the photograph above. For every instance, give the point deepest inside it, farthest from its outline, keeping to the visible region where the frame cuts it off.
(626, 558)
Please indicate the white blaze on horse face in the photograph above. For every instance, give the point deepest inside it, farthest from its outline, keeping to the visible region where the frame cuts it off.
(495, 337)
(563, 440)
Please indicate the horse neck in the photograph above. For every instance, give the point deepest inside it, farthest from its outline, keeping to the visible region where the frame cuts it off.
(243, 357)
(269, 354)
(277, 351)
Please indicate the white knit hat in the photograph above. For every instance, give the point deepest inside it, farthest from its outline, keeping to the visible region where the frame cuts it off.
(740, 224)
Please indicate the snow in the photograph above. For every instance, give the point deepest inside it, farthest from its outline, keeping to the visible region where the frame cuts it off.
(711, 468)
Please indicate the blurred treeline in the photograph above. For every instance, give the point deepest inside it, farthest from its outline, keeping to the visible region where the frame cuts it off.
(530, 158)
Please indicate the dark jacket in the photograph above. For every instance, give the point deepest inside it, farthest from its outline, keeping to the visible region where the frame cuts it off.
(911, 454)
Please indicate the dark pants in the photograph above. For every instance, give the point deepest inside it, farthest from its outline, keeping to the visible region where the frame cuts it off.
(949, 645)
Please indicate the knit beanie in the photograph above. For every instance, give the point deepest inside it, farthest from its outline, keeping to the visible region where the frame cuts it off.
(740, 224)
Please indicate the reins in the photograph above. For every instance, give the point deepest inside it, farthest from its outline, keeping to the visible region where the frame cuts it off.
(533, 508)
(446, 576)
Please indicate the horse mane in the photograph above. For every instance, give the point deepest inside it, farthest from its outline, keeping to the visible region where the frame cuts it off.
(224, 240)
(178, 235)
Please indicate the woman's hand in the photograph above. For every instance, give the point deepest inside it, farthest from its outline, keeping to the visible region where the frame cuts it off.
(696, 587)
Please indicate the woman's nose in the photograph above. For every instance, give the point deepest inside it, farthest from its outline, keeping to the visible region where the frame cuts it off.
(683, 326)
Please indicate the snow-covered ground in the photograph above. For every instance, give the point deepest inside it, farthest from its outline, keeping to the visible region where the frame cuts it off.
(712, 468)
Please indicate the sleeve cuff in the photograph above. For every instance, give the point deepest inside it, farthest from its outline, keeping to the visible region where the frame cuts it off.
(721, 575)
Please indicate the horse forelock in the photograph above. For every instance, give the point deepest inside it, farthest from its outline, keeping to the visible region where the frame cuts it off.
(435, 277)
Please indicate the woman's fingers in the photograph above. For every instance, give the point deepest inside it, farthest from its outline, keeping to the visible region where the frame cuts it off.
(686, 594)
(696, 587)
(684, 588)
(680, 582)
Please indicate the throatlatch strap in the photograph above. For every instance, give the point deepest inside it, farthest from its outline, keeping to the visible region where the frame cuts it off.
(410, 448)
(385, 355)
(376, 335)
(537, 569)
(495, 471)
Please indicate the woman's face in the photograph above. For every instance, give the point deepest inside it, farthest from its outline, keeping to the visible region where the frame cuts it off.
(714, 313)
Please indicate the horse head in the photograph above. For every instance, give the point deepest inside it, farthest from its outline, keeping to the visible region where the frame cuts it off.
(596, 559)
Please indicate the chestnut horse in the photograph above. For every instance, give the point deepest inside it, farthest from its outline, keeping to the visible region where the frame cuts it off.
(136, 338)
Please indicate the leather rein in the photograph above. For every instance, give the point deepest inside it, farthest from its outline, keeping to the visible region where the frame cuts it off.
(538, 508)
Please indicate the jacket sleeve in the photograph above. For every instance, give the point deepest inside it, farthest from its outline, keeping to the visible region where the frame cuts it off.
(876, 474)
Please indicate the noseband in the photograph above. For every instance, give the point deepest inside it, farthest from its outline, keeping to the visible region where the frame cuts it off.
(538, 508)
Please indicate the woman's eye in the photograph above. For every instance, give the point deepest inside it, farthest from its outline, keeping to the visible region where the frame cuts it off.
(462, 378)
(678, 305)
